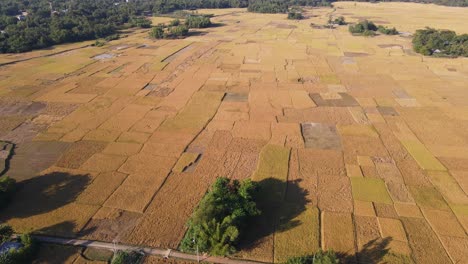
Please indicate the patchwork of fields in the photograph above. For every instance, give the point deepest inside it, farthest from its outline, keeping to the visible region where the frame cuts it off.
(359, 144)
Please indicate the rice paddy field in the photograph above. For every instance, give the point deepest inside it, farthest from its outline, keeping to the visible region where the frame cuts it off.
(359, 144)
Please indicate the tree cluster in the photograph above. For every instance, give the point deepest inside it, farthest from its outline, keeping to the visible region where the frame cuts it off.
(220, 219)
(28, 25)
(368, 28)
(23, 254)
(162, 31)
(387, 31)
(295, 14)
(435, 42)
(193, 21)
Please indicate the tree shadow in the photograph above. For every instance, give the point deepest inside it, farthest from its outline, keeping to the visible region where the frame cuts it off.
(196, 33)
(216, 25)
(279, 202)
(45, 193)
(64, 229)
(373, 251)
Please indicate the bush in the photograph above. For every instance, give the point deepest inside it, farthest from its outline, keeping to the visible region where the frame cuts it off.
(430, 41)
(295, 15)
(142, 22)
(219, 220)
(321, 257)
(387, 31)
(112, 37)
(197, 21)
(338, 21)
(127, 257)
(157, 32)
(5, 233)
(7, 189)
(174, 23)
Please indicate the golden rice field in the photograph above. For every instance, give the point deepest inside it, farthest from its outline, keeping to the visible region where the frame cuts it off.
(360, 144)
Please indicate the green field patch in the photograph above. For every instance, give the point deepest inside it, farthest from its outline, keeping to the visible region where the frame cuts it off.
(370, 190)
(428, 197)
(422, 156)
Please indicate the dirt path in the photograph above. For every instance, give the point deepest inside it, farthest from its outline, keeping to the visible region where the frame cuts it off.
(148, 251)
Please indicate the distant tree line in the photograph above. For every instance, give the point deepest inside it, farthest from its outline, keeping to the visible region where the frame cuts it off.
(435, 42)
(26, 25)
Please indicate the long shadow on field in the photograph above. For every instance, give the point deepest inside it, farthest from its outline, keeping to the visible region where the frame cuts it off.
(280, 202)
(64, 229)
(45, 193)
(372, 252)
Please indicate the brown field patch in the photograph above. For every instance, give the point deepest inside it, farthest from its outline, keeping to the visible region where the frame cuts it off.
(424, 243)
(79, 152)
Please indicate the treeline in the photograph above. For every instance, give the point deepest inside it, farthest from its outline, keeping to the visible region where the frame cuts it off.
(435, 42)
(282, 6)
(437, 2)
(28, 25)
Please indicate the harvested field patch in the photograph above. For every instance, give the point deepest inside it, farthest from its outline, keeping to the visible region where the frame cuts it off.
(338, 232)
(334, 194)
(109, 224)
(425, 246)
(133, 137)
(122, 148)
(103, 162)
(392, 228)
(344, 100)
(299, 240)
(101, 188)
(252, 130)
(444, 223)
(364, 208)
(320, 136)
(314, 163)
(385, 210)
(79, 152)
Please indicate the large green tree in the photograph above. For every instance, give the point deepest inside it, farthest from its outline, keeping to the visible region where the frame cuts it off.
(219, 220)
